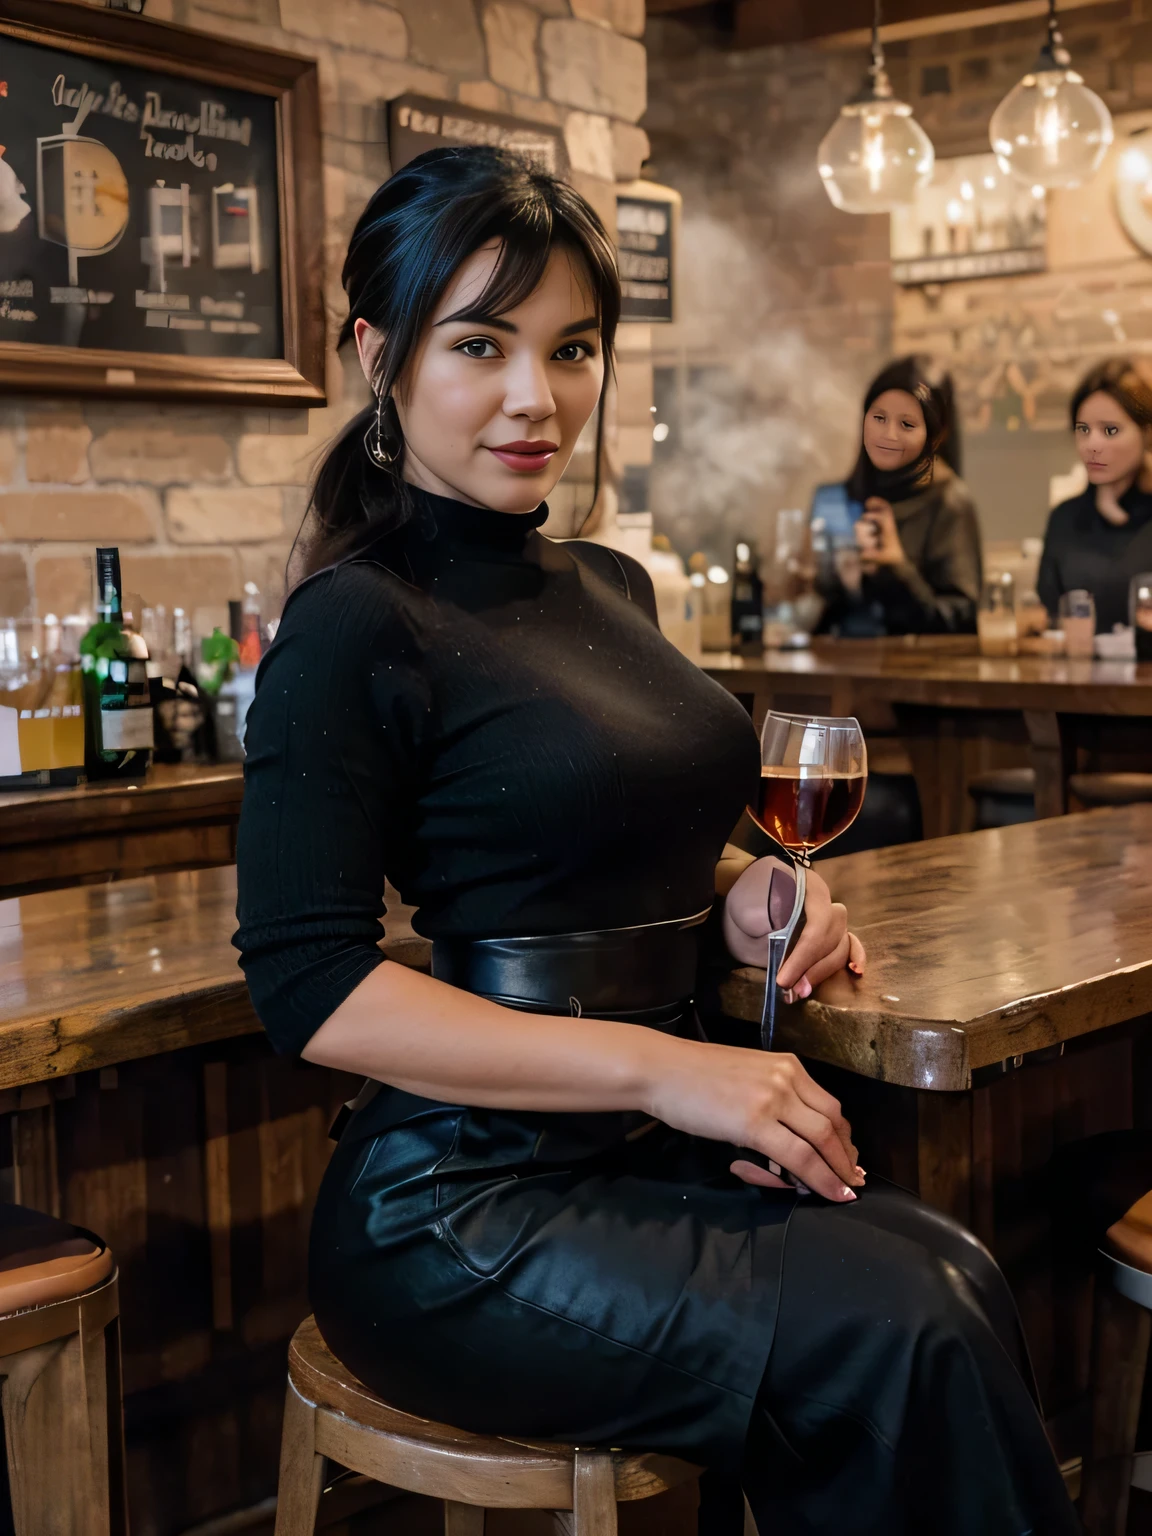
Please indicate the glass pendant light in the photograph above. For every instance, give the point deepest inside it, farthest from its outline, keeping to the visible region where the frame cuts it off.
(1051, 130)
(875, 156)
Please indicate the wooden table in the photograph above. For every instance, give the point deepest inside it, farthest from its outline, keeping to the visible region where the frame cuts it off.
(959, 713)
(1005, 1009)
(145, 1103)
(180, 817)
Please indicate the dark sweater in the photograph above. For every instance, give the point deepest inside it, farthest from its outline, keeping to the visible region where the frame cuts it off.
(500, 732)
(937, 587)
(1084, 550)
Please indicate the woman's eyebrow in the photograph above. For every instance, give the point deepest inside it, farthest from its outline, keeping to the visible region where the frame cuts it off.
(479, 317)
(581, 325)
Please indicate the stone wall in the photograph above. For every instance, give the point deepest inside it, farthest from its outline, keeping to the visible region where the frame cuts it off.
(789, 305)
(203, 498)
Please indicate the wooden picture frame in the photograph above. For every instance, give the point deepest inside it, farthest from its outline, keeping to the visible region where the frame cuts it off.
(288, 257)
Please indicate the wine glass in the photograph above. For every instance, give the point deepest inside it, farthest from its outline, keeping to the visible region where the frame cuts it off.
(813, 773)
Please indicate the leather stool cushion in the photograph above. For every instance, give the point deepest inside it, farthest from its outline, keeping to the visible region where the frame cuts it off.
(43, 1260)
(1111, 788)
(1130, 1238)
(1019, 782)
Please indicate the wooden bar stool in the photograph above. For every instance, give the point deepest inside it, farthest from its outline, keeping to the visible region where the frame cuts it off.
(331, 1414)
(1121, 1329)
(60, 1364)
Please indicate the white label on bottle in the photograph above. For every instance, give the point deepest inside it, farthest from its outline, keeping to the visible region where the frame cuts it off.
(9, 742)
(118, 671)
(124, 730)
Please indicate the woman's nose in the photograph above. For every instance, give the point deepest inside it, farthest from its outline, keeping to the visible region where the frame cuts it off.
(528, 392)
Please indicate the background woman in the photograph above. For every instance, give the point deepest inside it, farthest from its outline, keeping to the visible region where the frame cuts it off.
(915, 566)
(1102, 538)
(544, 1223)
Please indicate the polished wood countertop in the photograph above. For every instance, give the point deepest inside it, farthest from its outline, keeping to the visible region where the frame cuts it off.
(981, 948)
(950, 676)
(187, 791)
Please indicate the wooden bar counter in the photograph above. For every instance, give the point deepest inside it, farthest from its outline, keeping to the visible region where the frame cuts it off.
(958, 713)
(180, 817)
(1004, 1011)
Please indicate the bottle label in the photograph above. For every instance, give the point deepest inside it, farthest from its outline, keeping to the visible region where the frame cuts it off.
(125, 730)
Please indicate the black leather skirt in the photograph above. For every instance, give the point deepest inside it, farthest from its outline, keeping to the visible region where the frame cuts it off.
(603, 1279)
(590, 1278)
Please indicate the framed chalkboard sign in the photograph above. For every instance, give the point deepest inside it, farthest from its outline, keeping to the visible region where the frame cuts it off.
(161, 212)
(647, 235)
(417, 123)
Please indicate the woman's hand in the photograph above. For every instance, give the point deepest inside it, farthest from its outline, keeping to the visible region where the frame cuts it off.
(824, 946)
(762, 1100)
(877, 537)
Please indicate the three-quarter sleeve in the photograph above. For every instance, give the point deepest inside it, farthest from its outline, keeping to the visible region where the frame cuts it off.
(333, 736)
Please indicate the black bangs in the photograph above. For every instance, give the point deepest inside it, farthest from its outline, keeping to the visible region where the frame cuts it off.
(407, 247)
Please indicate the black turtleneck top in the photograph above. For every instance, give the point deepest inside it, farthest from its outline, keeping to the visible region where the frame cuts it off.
(1084, 550)
(472, 712)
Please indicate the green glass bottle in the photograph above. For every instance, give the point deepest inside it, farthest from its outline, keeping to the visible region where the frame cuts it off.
(118, 724)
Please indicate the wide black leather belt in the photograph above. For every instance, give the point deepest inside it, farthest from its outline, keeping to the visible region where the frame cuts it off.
(607, 973)
(642, 975)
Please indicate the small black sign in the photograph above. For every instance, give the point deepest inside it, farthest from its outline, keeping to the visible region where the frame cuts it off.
(644, 238)
(417, 123)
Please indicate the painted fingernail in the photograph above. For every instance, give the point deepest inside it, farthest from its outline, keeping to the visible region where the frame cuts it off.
(804, 988)
(854, 968)
(847, 1193)
(860, 1171)
(789, 995)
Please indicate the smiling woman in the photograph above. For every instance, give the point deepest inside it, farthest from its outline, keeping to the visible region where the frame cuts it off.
(539, 1220)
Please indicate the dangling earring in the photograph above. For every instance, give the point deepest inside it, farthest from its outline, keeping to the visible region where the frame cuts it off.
(384, 441)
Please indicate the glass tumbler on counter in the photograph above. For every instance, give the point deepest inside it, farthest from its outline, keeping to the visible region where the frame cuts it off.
(1140, 614)
(996, 618)
(1078, 621)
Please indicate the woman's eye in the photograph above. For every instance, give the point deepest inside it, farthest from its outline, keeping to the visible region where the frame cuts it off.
(478, 346)
(572, 352)
(1111, 431)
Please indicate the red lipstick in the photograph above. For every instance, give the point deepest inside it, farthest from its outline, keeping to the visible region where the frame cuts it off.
(526, 457)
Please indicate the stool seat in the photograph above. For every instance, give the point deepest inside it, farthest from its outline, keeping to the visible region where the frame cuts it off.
(1111, 788)
(1004, 781)
(44, 1260)
(499, 1471)
(330, 1415)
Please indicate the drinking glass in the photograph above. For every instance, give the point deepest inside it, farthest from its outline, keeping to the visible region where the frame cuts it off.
(813, 773)
(1078, 621)
(1140, 614)
(996, 617)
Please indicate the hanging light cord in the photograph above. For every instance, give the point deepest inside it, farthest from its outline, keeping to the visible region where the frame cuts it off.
(878, 52)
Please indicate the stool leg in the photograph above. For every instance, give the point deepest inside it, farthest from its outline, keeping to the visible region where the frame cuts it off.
(1120, 1336)
(463, 1519)
(594, 1495)
(301, 1469)
(55, 1422)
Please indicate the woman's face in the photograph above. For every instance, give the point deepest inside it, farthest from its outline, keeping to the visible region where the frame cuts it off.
(894, 430)
(1108, 440)
(491, 405)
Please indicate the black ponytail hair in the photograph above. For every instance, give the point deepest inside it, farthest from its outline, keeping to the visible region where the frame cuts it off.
(407, 246)
(931, 387)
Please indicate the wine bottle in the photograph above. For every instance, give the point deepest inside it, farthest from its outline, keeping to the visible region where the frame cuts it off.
(747, 602)
(119, 731)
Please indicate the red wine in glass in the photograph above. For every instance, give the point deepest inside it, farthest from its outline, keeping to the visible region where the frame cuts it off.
(802, 809)
(813, 775)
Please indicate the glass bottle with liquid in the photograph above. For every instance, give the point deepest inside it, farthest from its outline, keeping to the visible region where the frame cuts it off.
(747, 602)
(119, 731)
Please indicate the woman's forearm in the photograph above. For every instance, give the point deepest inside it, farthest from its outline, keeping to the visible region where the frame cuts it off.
(404, 1028)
